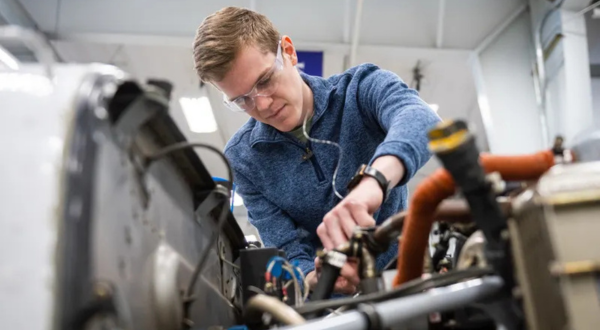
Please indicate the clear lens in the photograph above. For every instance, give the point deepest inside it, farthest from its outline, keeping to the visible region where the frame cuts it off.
(240, 104)
(263, 88)
(269, 87)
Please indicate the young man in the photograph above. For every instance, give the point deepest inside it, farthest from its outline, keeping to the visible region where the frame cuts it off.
(285, 179)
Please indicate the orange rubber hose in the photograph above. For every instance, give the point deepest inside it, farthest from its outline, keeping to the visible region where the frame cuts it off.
(439, 186)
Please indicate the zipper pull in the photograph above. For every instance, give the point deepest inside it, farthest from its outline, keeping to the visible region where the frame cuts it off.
(307, 155)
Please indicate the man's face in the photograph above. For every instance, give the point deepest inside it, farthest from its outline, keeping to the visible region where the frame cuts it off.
(256, 71)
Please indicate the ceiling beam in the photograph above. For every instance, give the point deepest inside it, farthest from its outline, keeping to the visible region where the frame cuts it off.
(347, 29)
(14, 13)
(440, 28)
(177, 41)
(356, 34)
(499, 29)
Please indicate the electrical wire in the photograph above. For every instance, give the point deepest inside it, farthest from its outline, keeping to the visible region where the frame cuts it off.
(304, 284)
(412, 287)
(223, 215)
(222, 257)
(297, 290)
(230, 263)
(337, 166)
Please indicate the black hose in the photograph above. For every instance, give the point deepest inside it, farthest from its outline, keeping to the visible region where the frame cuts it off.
(325, 286)
(412, 287)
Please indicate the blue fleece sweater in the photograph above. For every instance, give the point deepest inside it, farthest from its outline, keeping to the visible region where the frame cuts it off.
(371, 113)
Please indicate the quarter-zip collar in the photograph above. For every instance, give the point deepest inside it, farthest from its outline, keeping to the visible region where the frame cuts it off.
(322, 91)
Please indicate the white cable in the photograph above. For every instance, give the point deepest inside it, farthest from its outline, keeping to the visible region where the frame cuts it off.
(329, 143)
(305, 283)
(297, 293)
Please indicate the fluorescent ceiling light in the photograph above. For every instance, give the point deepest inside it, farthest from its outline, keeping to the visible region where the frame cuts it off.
(198, 113)
(9, 60)
(434, 107)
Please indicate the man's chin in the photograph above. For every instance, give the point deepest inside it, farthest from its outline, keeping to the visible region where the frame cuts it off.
(284, 126)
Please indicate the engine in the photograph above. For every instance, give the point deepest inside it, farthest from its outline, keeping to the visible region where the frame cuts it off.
(111, 221)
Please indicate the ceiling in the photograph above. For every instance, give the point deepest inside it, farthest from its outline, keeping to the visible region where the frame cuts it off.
(407, 23)
(152, 38)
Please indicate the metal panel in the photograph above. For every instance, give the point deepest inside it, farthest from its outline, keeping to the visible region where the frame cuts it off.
(81, 238)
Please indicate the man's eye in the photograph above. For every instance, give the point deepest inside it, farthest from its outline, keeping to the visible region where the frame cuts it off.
(241, 100)
(264, 83)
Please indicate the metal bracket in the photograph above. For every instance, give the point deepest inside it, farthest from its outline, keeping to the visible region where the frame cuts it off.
(139, 112)
(214, 199)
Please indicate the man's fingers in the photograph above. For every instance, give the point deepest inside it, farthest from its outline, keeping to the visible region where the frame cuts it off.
(343, 286)
(347, 222)
(361, 214)
(349, 272)
(324, 237)
(334, 230)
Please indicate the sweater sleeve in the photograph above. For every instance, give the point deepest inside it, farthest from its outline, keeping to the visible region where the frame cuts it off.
(275, 226)
(399, 111)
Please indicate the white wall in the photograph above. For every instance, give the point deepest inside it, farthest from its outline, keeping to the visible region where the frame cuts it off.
(447, 82)
(506, 66)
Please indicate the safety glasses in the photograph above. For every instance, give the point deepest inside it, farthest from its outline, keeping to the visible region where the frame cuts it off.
(266, 86)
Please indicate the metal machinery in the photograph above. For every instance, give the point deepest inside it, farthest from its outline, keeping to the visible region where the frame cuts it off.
(109, 220)
(95, 233)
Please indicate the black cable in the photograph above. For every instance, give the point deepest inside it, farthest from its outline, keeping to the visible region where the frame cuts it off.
(222, 217)
(409, 288)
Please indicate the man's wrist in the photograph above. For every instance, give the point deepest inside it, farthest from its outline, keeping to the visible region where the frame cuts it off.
(391, 167)
(373, 185)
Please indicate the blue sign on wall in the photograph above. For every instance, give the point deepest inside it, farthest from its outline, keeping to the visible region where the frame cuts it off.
(311, 63)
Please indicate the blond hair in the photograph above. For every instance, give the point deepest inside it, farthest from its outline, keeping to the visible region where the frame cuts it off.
(223, 34)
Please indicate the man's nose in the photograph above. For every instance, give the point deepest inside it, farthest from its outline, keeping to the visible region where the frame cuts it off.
(263, 102)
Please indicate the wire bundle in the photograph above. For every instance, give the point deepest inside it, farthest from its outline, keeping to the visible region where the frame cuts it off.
(289, 273)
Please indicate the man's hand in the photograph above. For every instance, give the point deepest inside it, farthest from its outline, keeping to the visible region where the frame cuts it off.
(358, 207)
(355, 210)
(345, 284)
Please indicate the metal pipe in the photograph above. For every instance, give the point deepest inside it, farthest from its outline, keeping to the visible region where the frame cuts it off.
(541, 72)
(283, 313)
(368, 264)
(353, 320)
(450, 210)
(397, 311)
(438, 300)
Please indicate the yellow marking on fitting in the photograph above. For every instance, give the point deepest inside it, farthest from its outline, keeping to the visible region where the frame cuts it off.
(445, 143)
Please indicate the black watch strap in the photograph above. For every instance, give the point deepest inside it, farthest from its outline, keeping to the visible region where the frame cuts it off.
(366, 170)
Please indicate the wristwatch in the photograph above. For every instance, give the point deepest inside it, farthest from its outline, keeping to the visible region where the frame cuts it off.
(366, 170)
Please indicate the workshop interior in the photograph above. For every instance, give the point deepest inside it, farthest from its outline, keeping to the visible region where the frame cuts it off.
(119, 209)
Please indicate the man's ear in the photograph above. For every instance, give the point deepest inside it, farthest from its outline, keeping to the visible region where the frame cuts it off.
(289, 50)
